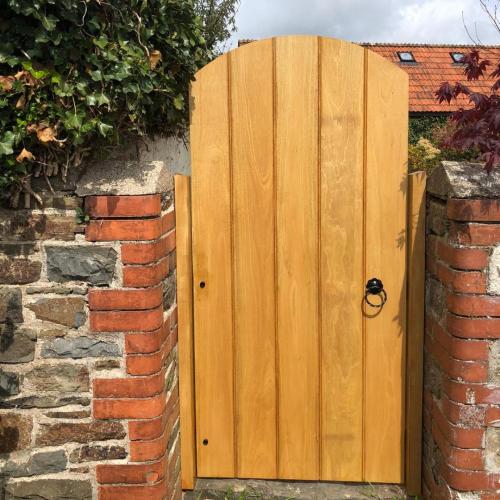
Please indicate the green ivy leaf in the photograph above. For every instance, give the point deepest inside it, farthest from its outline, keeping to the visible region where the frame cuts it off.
(179, 102)
(104, 128)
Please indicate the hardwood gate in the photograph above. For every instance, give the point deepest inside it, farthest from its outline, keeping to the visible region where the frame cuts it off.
(298, 197)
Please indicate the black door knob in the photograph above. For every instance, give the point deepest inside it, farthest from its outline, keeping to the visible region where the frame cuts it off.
(374, 286)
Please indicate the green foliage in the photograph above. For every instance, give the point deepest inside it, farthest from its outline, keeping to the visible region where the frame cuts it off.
(79, 75)
(422, 126)
(218, 19)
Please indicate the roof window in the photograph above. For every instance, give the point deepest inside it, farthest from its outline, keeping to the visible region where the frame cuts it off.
(406, 57)
(457, 57)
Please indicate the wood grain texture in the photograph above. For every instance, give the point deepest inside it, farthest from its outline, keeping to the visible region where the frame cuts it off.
(385, 255)
(342, 131)
(297, 256)
(212, 258)
(415, 329)
(185, 329)
(253, 233)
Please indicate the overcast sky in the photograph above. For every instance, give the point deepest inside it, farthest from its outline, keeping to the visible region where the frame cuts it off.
(423, 21)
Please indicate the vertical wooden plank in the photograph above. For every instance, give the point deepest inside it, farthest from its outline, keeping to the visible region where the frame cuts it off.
(342, 131)
(185, 329)
(415, 331)
(211, 213)
(385, 224)
(297, 256)
(253, 233)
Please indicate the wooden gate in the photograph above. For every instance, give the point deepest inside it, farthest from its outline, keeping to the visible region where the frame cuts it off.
(298, 197)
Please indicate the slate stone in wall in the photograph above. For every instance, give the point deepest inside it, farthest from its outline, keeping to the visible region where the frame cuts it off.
(15, 432)
(59, 290)
(47, 401)
(63, 378)
(94, 265)
(68, 311)
(9, 383)
(45, 489)
(80, 347)
(40, 463)
(78, 432)
(94, 453)
(106, 364)
(19, 271)
(11, 308)
(169, 290)
(17, 345)
(72, 414)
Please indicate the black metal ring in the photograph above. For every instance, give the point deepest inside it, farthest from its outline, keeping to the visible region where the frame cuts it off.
(382, 295)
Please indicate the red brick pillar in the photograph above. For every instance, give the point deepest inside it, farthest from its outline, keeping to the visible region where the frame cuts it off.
(462, 339)
(141, 306)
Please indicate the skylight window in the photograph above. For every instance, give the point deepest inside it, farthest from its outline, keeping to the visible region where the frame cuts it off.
(457, 57)
(406, 57)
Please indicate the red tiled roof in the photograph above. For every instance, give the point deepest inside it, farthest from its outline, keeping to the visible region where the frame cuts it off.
(433, 66)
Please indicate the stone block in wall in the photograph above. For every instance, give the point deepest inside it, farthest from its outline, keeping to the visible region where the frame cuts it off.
(78, 432)
(69, 414)
(17, 345)
(492, 452)
(494, 272)
(47, 462)
(26, 225)
(43, 401)
(494, 363)
(437, 222)
(94, 265)
(80, 347)
(65, 377)
(11, 308)
(54, 489)
(19, 271)
(67, 311)
(9, 383)
(15, 432)
(96, 453)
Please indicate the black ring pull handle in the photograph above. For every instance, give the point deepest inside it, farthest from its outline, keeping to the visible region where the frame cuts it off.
(374, 286)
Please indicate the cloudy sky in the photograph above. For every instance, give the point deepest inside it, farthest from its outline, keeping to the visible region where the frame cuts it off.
(423, 21)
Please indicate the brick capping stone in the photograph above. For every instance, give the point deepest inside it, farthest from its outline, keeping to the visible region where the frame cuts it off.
(462, 336)
(88, 340)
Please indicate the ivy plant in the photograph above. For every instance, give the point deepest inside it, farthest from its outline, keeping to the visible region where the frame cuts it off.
(77, 76)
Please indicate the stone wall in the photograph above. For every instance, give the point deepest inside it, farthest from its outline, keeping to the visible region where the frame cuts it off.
(462, 338)
(88, 370)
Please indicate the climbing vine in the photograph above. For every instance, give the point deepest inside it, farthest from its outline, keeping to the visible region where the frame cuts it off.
(77, 76)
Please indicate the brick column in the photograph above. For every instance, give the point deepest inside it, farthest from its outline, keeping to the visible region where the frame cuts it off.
(142, 307)
(462, 339)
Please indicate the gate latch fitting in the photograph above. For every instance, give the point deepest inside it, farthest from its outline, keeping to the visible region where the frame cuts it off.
(374, 286)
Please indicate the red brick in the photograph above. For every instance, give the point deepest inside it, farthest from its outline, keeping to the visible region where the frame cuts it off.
(461, 281)
(143, 276)
(146, 253)
(473, 210)
(468, 259)
(127, 230)
(492, 415)
(132, 473)
(123, 206)
(471, 393)
(463, 349)
(477, 305)
(168, 222)
(157, 491)
(126, 321)
(457, 436)
(154, 428)
(475, 234)
(147, 343)
(147, 364)
(129, 408)
(108, 300)
(464, 415)
(471, 480)
(473, 328)
(139, 387)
